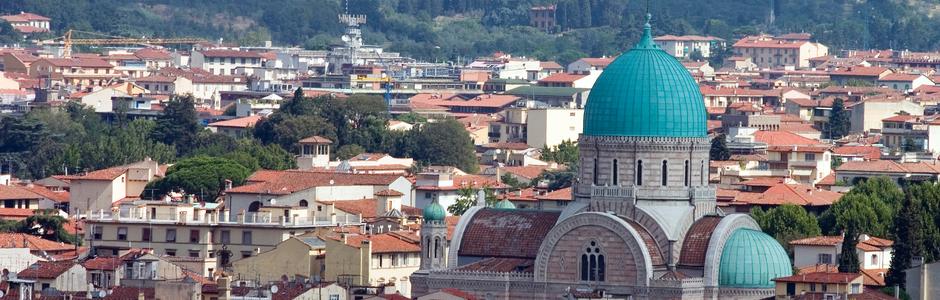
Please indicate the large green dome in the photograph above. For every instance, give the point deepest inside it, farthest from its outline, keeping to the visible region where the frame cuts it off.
(752, 259)
(645, 92)
(434, 212)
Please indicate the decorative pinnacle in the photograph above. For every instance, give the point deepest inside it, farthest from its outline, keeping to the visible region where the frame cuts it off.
(646, 41)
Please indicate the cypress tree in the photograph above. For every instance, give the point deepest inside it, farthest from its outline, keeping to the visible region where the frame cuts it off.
(838, 120)
(719, 150)
(848, 259)
(908, 240)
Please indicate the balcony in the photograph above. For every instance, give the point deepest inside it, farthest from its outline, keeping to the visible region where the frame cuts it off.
(750, 173)
(253, 219)
(803, 163)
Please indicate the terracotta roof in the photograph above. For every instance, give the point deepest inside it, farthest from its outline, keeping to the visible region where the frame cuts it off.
(486, 100)
(783, 138)
(562, 78)
(900, 77)
(866, 294)
(127, 292)
(315, 140)
(24, 17)
(79, 62)
(45, 269)
(829, 180)
(15, 213)
(459, 293)
(103, 174)
(506, 233)
(525, 195)
(388, 242)
(795, 194)
(507, 146)
(388, 193)
(230, 53)
(56, 196)
(501, 265)
(900, 118)
(34, 243)
(550, 65)
(475, 181)
(820, 277)
(871, 244)
(557, 195)
(755, 42)
(874, 277)
(243, 122)
(598, 62)
(392, 297)
(13, 192)
(724, 91)
(103, 263)
(687, 38)
(696, 241)
(367, 207)
(153, 54)
(824, 268)
(867, 152)
(157, 78)
(290, 181)
(528, 172)
(656, 254)
(860, 71)
(887, 166)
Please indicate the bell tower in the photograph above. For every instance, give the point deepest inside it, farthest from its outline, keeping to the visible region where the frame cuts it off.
(434, 238)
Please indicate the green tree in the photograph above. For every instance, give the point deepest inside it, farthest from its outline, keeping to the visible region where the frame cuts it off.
(446, 143)
(513, 182)
(696, 55)
(786, 223)
(48, 225)
(202, 175)
(556, 180)
(838, 120)
(565, 153)
(848, 258)
(8, 35)
(412, 118)
(719, 150)
(349, 151)
(865, 213)
(178, 124)
(467, 197)
(908, 240)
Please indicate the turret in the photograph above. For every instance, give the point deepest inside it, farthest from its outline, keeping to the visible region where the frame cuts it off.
(434, 238)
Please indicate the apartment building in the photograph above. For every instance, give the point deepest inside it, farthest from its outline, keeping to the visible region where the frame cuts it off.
(770, 52)
(225, 61)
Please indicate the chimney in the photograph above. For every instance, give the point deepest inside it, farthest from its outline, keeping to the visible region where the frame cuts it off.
(228, 184)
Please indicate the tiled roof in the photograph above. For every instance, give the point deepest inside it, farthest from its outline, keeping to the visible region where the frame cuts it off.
(290, 181)
(243, 122)
(57, 196)
(656, 254)
(528, 172)
(315, 140)
(783, 138)
(901, 118)
(562, 78)
(755, 42)
(507, 146)
(506, 233)
(860, 71)
(867, 152)
(687, 38)
(598, 62)
(79, 62)
(550, 65)
(871, 244)
(389, 193)
(153, 54)
(487, 100)
(24, 17)
(103, 263)
(45, 269)
(557, 195)
(103, 174)
(230, 53)
(900, 77)
(388, 242)
(475, 181)
(13, 192)
(15, 213)
(712, 91)
(829, 180)
(501, 265)
(127, 292)
(459, 293)
(367, 207)
(157, 78)
(820, 277)
(825, 268)
(887, 166)
(391, 297)
(696, 241)
(874, 277)
(795, 194)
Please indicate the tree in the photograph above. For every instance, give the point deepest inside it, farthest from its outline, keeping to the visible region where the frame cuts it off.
(202, 175)
(8, 35)
(556, 180)
(178, 124)
(513, 182)
(349, 151)
(446, 143)
(719, 150)
(565, 153)
(786, 223)
(848, 258)
(908, 240)
(838, 120)
(48, 225)
(696, 55)
(412, 118)
(865, 213)
(467, 198)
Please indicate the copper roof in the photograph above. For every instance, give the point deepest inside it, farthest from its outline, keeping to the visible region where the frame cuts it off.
(506, 233)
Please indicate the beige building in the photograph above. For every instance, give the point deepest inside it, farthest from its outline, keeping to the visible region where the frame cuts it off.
(822, 285)
(96, 191)
(385, 259)
(922, 281)
(297, 256)
(74, 71)
(684, 46)
(66, 276)
(551, 126)
(770, 52)
(868, 114)
(166, 85)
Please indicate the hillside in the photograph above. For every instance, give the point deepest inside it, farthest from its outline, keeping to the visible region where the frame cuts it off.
(448, 29)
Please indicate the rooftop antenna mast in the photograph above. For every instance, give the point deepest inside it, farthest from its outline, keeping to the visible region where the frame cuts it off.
(353, 36)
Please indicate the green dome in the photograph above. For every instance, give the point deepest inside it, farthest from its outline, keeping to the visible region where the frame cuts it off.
(434, 212)
(504, 204)
(645, 92)
(751, 259)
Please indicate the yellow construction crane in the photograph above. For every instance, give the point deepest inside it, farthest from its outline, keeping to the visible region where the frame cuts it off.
(67, 41)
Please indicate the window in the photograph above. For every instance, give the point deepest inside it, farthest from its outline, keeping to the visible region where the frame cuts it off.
(170, 252)
(856, 288)
(592, 263)
(614, 173)
(334, 297)
(122, 233)
(810, 156)
(194, 253)
(171, 235)
(874, 259)
(97, 230)
(194, 236)
(225, 237)
(665, 173)
(812, 287)
(303, 203)
(688, 177)
(595, 172)
(825, 288)
(246, 237)
(791, 289)
(381, 260)
(145, 234)
(639, 172)
(825, 258)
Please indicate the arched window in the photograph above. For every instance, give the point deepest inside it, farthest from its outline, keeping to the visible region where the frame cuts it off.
(254, 206)
(302, 203)
(665, 173)
(688, 176)
(595, 172)
(704, 173)
(615, 172)
(593, 265)
(437, 247)
(428, 248)
(639, 172)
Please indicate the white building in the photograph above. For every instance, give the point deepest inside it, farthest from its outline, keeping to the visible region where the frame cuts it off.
(300, 188)
(684, 46)
(225, 61)
(551, 126)
(873, 253)
(769, 52)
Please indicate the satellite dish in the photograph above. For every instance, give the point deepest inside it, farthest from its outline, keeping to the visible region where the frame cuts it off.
(345, 38)
(274, 289)
(102, 294)
(2, 294)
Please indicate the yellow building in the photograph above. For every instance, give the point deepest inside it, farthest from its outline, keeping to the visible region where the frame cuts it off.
(386, 259)
(827, 285)
(294, 257)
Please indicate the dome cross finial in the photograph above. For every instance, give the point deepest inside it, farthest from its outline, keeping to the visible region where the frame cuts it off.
(646, 41)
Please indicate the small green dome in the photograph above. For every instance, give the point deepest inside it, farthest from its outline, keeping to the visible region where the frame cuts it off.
(645, 92)
(752, 259)
(434, 212)
(504, 204)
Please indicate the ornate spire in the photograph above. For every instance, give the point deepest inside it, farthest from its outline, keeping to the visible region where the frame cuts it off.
(646, 41)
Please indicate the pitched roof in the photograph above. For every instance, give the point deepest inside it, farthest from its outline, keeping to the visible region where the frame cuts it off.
(562, 78)
(888, 166)
(550, 65)
(870, 244)
(243, 122)
(388, 242)
(528, 172)
(57, 196)
(34, 243)
(820, 277)
(783, 138)
(867, 152)
(229, 53)
(501, 265)
(506, 233)
(901, 77)
(290, 181)
(14, 192)
(859, 71)
(367, 207)
(46, 269)
(15, 213)
(153, 54)
(24, 17)
(103, 263)
(687, 38)
(782, 193)
(598, 62)
(764, 42)
(78, 62)
(315, 140)
(557, 195)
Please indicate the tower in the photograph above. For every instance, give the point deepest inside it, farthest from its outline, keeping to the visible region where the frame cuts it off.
(314, 153)
(434, 238)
